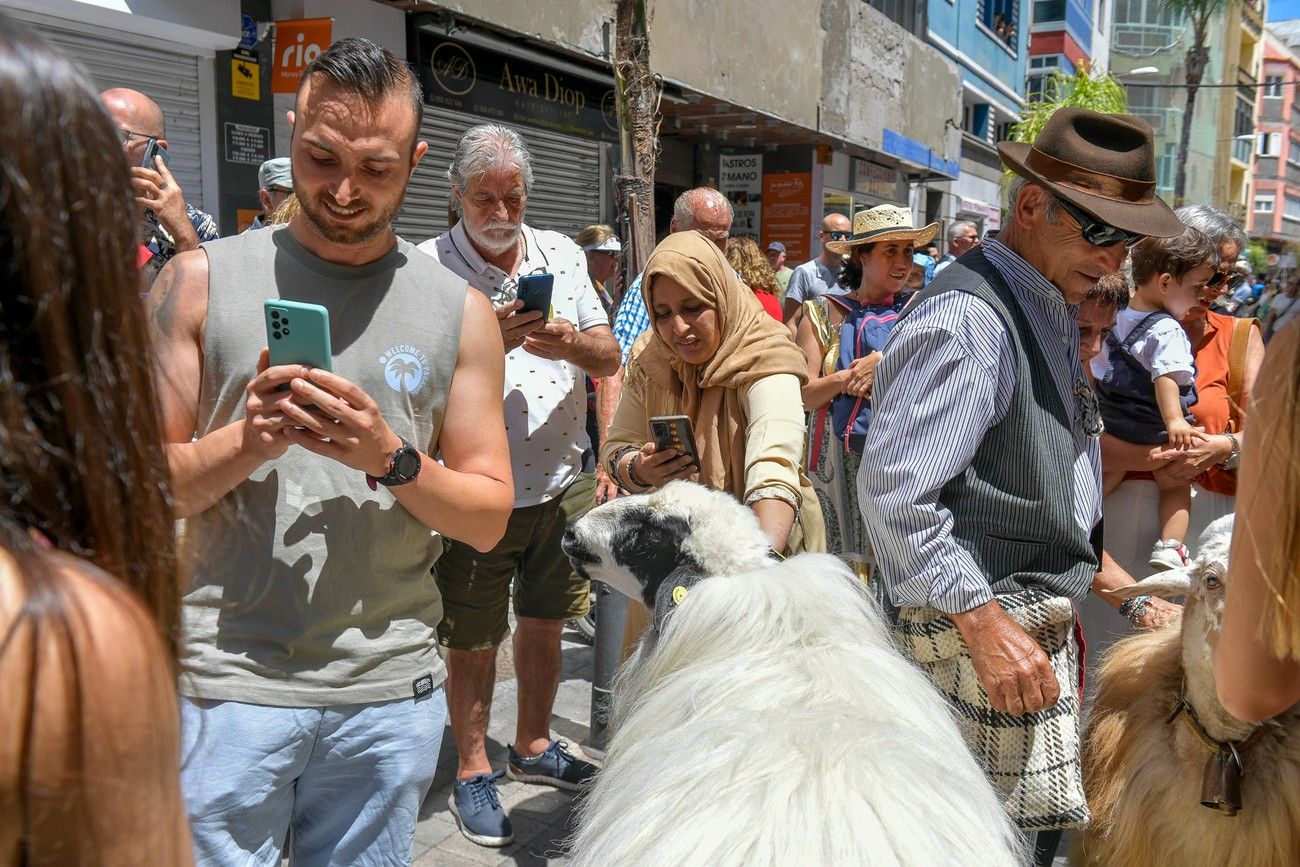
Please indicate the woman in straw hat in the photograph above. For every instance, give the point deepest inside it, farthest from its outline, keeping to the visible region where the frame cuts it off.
(716, 357)
(879, 259)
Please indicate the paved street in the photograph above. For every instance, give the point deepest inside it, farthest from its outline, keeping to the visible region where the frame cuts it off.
(540, 814)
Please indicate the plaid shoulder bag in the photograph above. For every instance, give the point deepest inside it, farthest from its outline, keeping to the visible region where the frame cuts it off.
(1032, 760)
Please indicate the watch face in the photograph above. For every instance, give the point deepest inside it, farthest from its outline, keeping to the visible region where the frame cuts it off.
(407, 463)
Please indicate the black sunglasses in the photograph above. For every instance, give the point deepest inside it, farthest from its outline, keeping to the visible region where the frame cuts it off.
(1233, 280)
(1097, 233)
(838, 236)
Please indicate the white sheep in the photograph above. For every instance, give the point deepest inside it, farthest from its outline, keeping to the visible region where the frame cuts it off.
(767, 719)
(1147, 768)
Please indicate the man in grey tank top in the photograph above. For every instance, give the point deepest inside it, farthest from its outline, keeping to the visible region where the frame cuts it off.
(314, 504)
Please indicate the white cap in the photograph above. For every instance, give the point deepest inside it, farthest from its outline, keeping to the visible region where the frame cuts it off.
(609, 245)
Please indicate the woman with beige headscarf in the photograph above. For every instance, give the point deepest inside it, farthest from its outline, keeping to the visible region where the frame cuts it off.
(716, 357)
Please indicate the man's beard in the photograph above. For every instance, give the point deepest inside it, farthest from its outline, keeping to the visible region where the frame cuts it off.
(504, 236)
(318, 215)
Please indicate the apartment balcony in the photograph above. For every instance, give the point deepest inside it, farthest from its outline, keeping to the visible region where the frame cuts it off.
(1241, 151)
(1164, 121)
(1247, 86)
(1144, 40)
(1252, 17)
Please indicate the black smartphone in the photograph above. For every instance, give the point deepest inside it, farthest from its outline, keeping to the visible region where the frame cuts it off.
(153, 149)
(535, 292)
(674, 432)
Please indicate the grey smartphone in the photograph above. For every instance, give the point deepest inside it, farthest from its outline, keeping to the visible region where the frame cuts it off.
(153, 149)
(674, 432)
(535, 292)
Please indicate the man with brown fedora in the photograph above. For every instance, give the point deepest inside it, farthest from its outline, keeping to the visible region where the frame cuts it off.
(981, 477)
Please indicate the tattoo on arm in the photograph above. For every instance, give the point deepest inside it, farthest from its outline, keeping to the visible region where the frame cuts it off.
(162, 299)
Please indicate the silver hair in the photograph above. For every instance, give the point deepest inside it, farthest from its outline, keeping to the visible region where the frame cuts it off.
(700, 198)
(484, 147)
(1015, 184)
(1215, 223)
(958, 227)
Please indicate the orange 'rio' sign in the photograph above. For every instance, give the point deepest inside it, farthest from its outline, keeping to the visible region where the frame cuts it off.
(297, 43)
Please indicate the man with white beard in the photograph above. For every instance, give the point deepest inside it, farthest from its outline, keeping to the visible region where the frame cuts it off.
(545, 414)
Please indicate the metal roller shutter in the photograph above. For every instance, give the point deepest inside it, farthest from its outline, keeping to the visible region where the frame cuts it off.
(169, 78)
(566, 178)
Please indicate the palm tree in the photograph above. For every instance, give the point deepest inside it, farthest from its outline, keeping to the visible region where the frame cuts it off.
(637, 94)
(1198, 57)
(402, 368)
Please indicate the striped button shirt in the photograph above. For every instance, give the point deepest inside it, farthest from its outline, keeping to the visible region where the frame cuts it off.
(946, 377)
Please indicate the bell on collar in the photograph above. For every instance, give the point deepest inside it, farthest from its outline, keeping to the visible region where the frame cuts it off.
(1221, 785)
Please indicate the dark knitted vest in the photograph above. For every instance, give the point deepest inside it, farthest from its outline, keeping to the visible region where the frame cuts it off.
(1013, 507)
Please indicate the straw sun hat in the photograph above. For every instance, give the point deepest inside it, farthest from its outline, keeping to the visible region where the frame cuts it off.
(883, 223)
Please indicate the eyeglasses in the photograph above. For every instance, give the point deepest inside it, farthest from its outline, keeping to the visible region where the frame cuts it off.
(128, 133)
(838, 236)
(1097, 233)
(1233, 280)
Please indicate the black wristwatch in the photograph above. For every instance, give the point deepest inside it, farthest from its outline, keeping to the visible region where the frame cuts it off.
(403, 468)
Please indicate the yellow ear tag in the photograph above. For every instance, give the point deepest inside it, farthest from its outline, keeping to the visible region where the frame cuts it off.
(679, 593)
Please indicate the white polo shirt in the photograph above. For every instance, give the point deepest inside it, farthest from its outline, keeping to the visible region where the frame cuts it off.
(545, 400)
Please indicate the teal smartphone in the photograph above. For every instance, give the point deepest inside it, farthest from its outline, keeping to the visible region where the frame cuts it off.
(298, 333)
(535, 292)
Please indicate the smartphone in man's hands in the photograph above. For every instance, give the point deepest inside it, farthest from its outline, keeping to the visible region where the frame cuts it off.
(534, 290)
(153, 149)
(298, 333)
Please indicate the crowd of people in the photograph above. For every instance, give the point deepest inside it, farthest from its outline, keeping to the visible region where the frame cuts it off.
(272, 678)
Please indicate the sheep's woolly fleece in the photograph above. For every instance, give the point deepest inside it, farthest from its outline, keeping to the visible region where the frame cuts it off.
(1143, 775)
(774, 723)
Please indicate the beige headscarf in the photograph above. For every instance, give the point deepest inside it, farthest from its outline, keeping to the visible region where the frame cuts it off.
(753, 345)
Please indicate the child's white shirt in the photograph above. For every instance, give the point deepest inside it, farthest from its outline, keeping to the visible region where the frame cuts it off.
(1164, 350)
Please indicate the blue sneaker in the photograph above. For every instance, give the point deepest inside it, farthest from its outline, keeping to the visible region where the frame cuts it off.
(555, 767)
(477, 807)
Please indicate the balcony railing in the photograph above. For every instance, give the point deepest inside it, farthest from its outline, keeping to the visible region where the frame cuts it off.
(1252, 17)
(1142, 40)
(1164, 121)
(1247, 85)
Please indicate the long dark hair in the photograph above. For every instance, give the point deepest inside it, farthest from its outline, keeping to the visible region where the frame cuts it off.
(850, 276)
(81, 457)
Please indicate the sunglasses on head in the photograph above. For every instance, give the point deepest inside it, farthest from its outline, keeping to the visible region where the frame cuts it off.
(1219, 278)
(1097, 233)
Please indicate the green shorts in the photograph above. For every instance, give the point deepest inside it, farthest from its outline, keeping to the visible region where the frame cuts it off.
(476, 587)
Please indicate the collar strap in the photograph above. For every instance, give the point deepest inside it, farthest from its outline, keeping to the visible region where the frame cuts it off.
(1089, 181)
(1184, 709)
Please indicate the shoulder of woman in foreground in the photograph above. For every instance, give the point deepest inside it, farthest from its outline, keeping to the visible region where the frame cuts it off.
(88, 711)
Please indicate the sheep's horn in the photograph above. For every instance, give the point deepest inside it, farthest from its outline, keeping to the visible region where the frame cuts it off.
(1175, 582)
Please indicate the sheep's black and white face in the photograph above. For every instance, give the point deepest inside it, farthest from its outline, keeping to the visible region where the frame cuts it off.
(634, 543)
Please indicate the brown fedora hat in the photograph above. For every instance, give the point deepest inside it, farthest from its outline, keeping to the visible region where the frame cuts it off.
(1104, 164)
